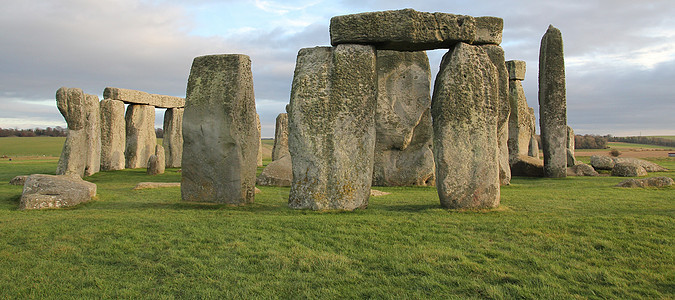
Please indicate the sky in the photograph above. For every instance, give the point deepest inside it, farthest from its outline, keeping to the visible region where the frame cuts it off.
(619, 54)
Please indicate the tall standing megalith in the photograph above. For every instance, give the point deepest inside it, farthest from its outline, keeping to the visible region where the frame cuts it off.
(72, 102)
(173, 137)
(141, 138)
(220, 136)
(331, 127)
(280, 148)
(93, 130)
(465, 110)
(113, 135)
(553, 103)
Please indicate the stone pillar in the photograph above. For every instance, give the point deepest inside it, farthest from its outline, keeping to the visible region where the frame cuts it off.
(571, 161)
(72, 105)
(496, 55)
(553, 104)
(259, 159)
(157, 161)
(520, 120)
(465, 111)
(331, 130)
(280, 148)
(113, 135)
(141, 138)
(533, 149)
(220, 138)
(173, 137)
(403, 153)
(93, 129)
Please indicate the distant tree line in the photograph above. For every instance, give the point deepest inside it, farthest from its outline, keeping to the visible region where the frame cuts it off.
(49, 131)
(590, 141)
(649, 140)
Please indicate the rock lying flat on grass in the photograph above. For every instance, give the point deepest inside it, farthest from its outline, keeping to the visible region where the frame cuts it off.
(602, 162)
(277, 173)
(54, 191)
(377, 193)
(626, 169)
(529, 166)
(647, 182)
(154, 185)
(18, 180)
(581, 169)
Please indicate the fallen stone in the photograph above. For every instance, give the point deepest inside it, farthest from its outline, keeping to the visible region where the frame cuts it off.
(331, 127)
(464, 110)
(626, 169)
(601, 162)
(657, 182)
(113, 135)
(553, 104)
(647, 165)
(55, 191)
(516, 69)
(173, 137)
(18, 180)
(138, 97)
(71, 103)
(141, 138)
(376, 193)
(277, 173)
(257, 191)
(220, 136)
(280, 148)
(410, 30)
(581, 169)
(155, 185)
(528, 166)
(156, 163)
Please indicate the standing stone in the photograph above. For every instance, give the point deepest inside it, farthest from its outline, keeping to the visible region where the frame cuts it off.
(496, 55)
(156, 162)
(259, 160)
(113, 135)
(220, 138)
(72, 105)
(173, 137)
(533, 150)
(93, 129)
(520, 121)
(280, 148)
(465, 111)
(403, 153)
(141, 138)
(552, 103)
(331, 127)
(571, 161)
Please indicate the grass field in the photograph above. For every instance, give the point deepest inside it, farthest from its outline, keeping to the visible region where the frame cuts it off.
(550, 238)
(668, 137)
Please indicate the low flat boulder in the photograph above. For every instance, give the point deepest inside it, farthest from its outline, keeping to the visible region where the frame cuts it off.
(55, 191)
(647, 165)
(378, 193)
(18, 180)
(626, 169)
(277, 173)
(581, 169)
(647, 182)
(602, 162)
(527, 166)
(155, 185)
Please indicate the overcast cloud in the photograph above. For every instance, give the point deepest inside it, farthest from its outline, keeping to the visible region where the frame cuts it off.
(620, 55)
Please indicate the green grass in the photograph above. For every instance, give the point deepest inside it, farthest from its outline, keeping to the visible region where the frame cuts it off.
(621, 145)
(668, 137)
(550, 238)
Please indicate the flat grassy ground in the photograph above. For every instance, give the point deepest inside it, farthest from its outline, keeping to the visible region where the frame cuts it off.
(670, 137)
(550, 238)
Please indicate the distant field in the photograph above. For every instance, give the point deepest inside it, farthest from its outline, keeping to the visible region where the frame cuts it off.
(621, 145)
(668, 137)
(31, 146)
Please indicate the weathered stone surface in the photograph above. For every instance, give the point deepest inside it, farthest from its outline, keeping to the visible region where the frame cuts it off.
(113, 135)
(410, 30)
(601, 162)
(156, 162)
(516, 69)
(331, 127)
(553, 103)
(72, 105)
(138, 97)
(220, 138)
(92, 127)
(465, 112)
(571, 161)
(280, 148)
(626, 169)
(533, 150)
(54, 191)
(647, 165)
(403, 153)
(259, 156)
(377, 193)
(140, 138)
(581, 169)
(496, 55)
(647, 182)
(18, 180)
(173, 137)
(155, 185)
(520, 131)
(277, 173)
(528, 166)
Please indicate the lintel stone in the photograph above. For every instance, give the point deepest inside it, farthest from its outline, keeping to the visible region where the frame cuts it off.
(138, 97)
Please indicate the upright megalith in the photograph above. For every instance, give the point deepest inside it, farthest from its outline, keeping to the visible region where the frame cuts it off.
(496, 55)
(403, 153)
(520, 121)
(259, 159)
(157, 161)
(553, 104)
(93, 129)
(72, 103)
(140, 138)
(533, 149)
(113, 135)
(331, 128)
(173, 137)
(571, 161)
(280, 148)
(465, 111)
(220, 138)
